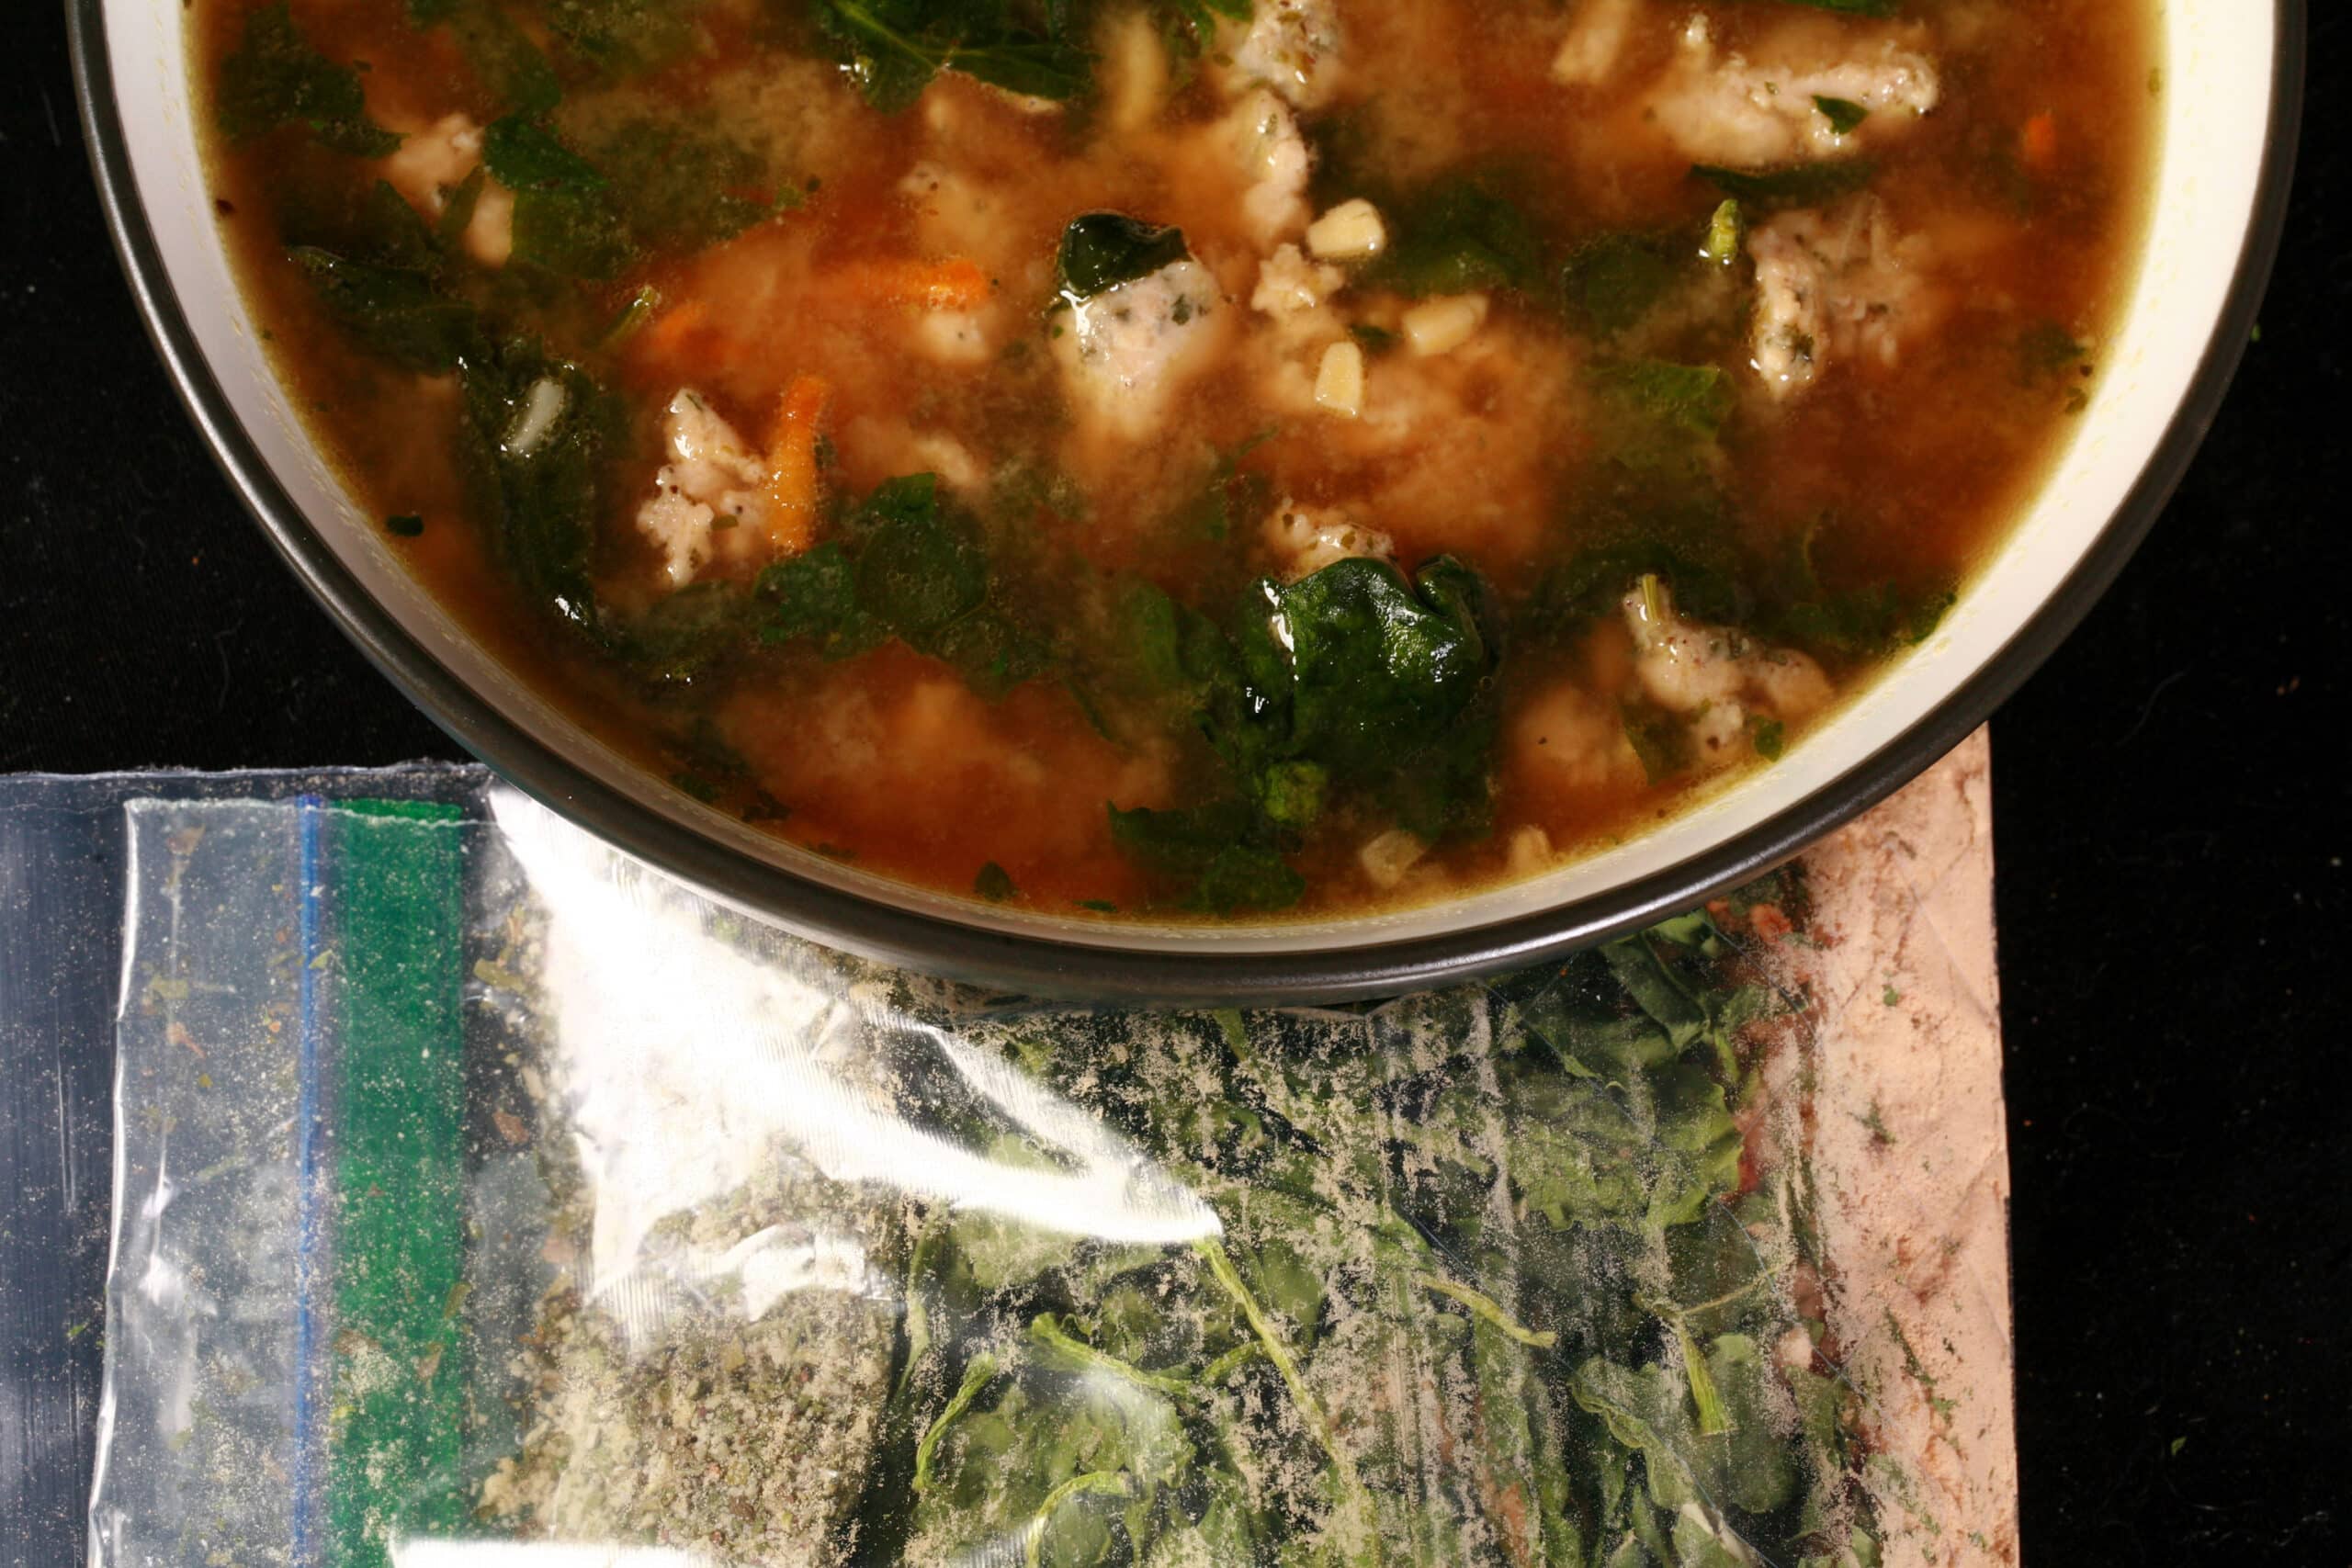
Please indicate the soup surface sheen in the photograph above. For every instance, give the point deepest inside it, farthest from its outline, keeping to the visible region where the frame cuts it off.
(1175, 458)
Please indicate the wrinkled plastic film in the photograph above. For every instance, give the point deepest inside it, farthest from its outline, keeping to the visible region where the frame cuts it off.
(486, 1197)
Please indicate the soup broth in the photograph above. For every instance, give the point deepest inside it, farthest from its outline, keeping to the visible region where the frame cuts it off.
(1185, 457)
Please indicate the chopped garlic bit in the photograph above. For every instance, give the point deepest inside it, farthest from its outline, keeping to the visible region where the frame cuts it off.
(1442, 325)
(1339, 381)
(1351, 230)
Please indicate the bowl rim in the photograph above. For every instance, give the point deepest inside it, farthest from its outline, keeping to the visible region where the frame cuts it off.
(1040, 964)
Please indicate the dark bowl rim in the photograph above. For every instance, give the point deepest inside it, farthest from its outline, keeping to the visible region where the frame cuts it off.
(1039, 965)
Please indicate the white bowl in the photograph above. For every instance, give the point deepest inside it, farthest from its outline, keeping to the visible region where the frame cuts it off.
(2232, 75)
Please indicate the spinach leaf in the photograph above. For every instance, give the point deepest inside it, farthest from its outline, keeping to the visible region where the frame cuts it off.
(1613, 281)
(814, 597)
(536, 430)
(1455, 237)
(1865, 621)
(621, 37)
(1659, 738)
(1224, 850)
(992, 652)
(274, 77)
(686, 635)
(994, 883)
(1102, 250)
(1800, 186)
(910, 567)
(525, 154)
(646, 185)
(398, 313)
(1382, 684)
(1689, 400)
(383, 274)
(564, 220)
(893, 48)
(512, 68)
(1369, 664)
(678, 188)
(1692, 543)
(918, 569)
(1190, 26)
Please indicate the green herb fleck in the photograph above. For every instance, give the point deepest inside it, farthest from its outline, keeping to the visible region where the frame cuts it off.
(1843, 114)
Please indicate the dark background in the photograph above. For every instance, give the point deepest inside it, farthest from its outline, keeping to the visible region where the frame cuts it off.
(2171, 850)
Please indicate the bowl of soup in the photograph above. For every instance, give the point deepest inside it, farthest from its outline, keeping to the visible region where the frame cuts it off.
(1200, 498)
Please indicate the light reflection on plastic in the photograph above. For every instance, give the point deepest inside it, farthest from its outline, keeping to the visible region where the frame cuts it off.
(690, 1067)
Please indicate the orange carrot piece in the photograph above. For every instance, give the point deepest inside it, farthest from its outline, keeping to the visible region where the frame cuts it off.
(955, 283)
(667, 332)
(2038, 142)
(792, 464)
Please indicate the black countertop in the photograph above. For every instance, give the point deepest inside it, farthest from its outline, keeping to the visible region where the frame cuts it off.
(2171, 859)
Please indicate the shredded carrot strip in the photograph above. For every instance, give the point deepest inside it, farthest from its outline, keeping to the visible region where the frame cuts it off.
(2038, 142)
(792, 464)
(955, 283)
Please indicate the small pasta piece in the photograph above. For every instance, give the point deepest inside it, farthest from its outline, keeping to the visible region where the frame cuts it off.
(1349, 231)
(1442, 325)
(1339, 381)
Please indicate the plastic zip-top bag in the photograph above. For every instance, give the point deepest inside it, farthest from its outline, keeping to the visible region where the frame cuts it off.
(485, 1197)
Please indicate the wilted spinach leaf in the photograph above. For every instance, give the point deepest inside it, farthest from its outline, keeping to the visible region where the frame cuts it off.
(1614, 280)
(535, 432)
(1865, 621)
(644, 187)
(814, 597)
(1455, 237)
(680, 637)
(1225, 851)
(1690, 401)
(512, 68)
(1102, 250)
(1800, 186)
(624, 36)
(398, 313)
(893, 48)
(909, 567)
(274, 77)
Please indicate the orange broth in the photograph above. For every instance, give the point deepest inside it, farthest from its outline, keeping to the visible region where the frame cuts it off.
(1790, 430)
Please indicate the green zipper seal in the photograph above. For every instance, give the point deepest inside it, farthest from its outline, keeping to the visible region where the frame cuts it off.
(396, 1416)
